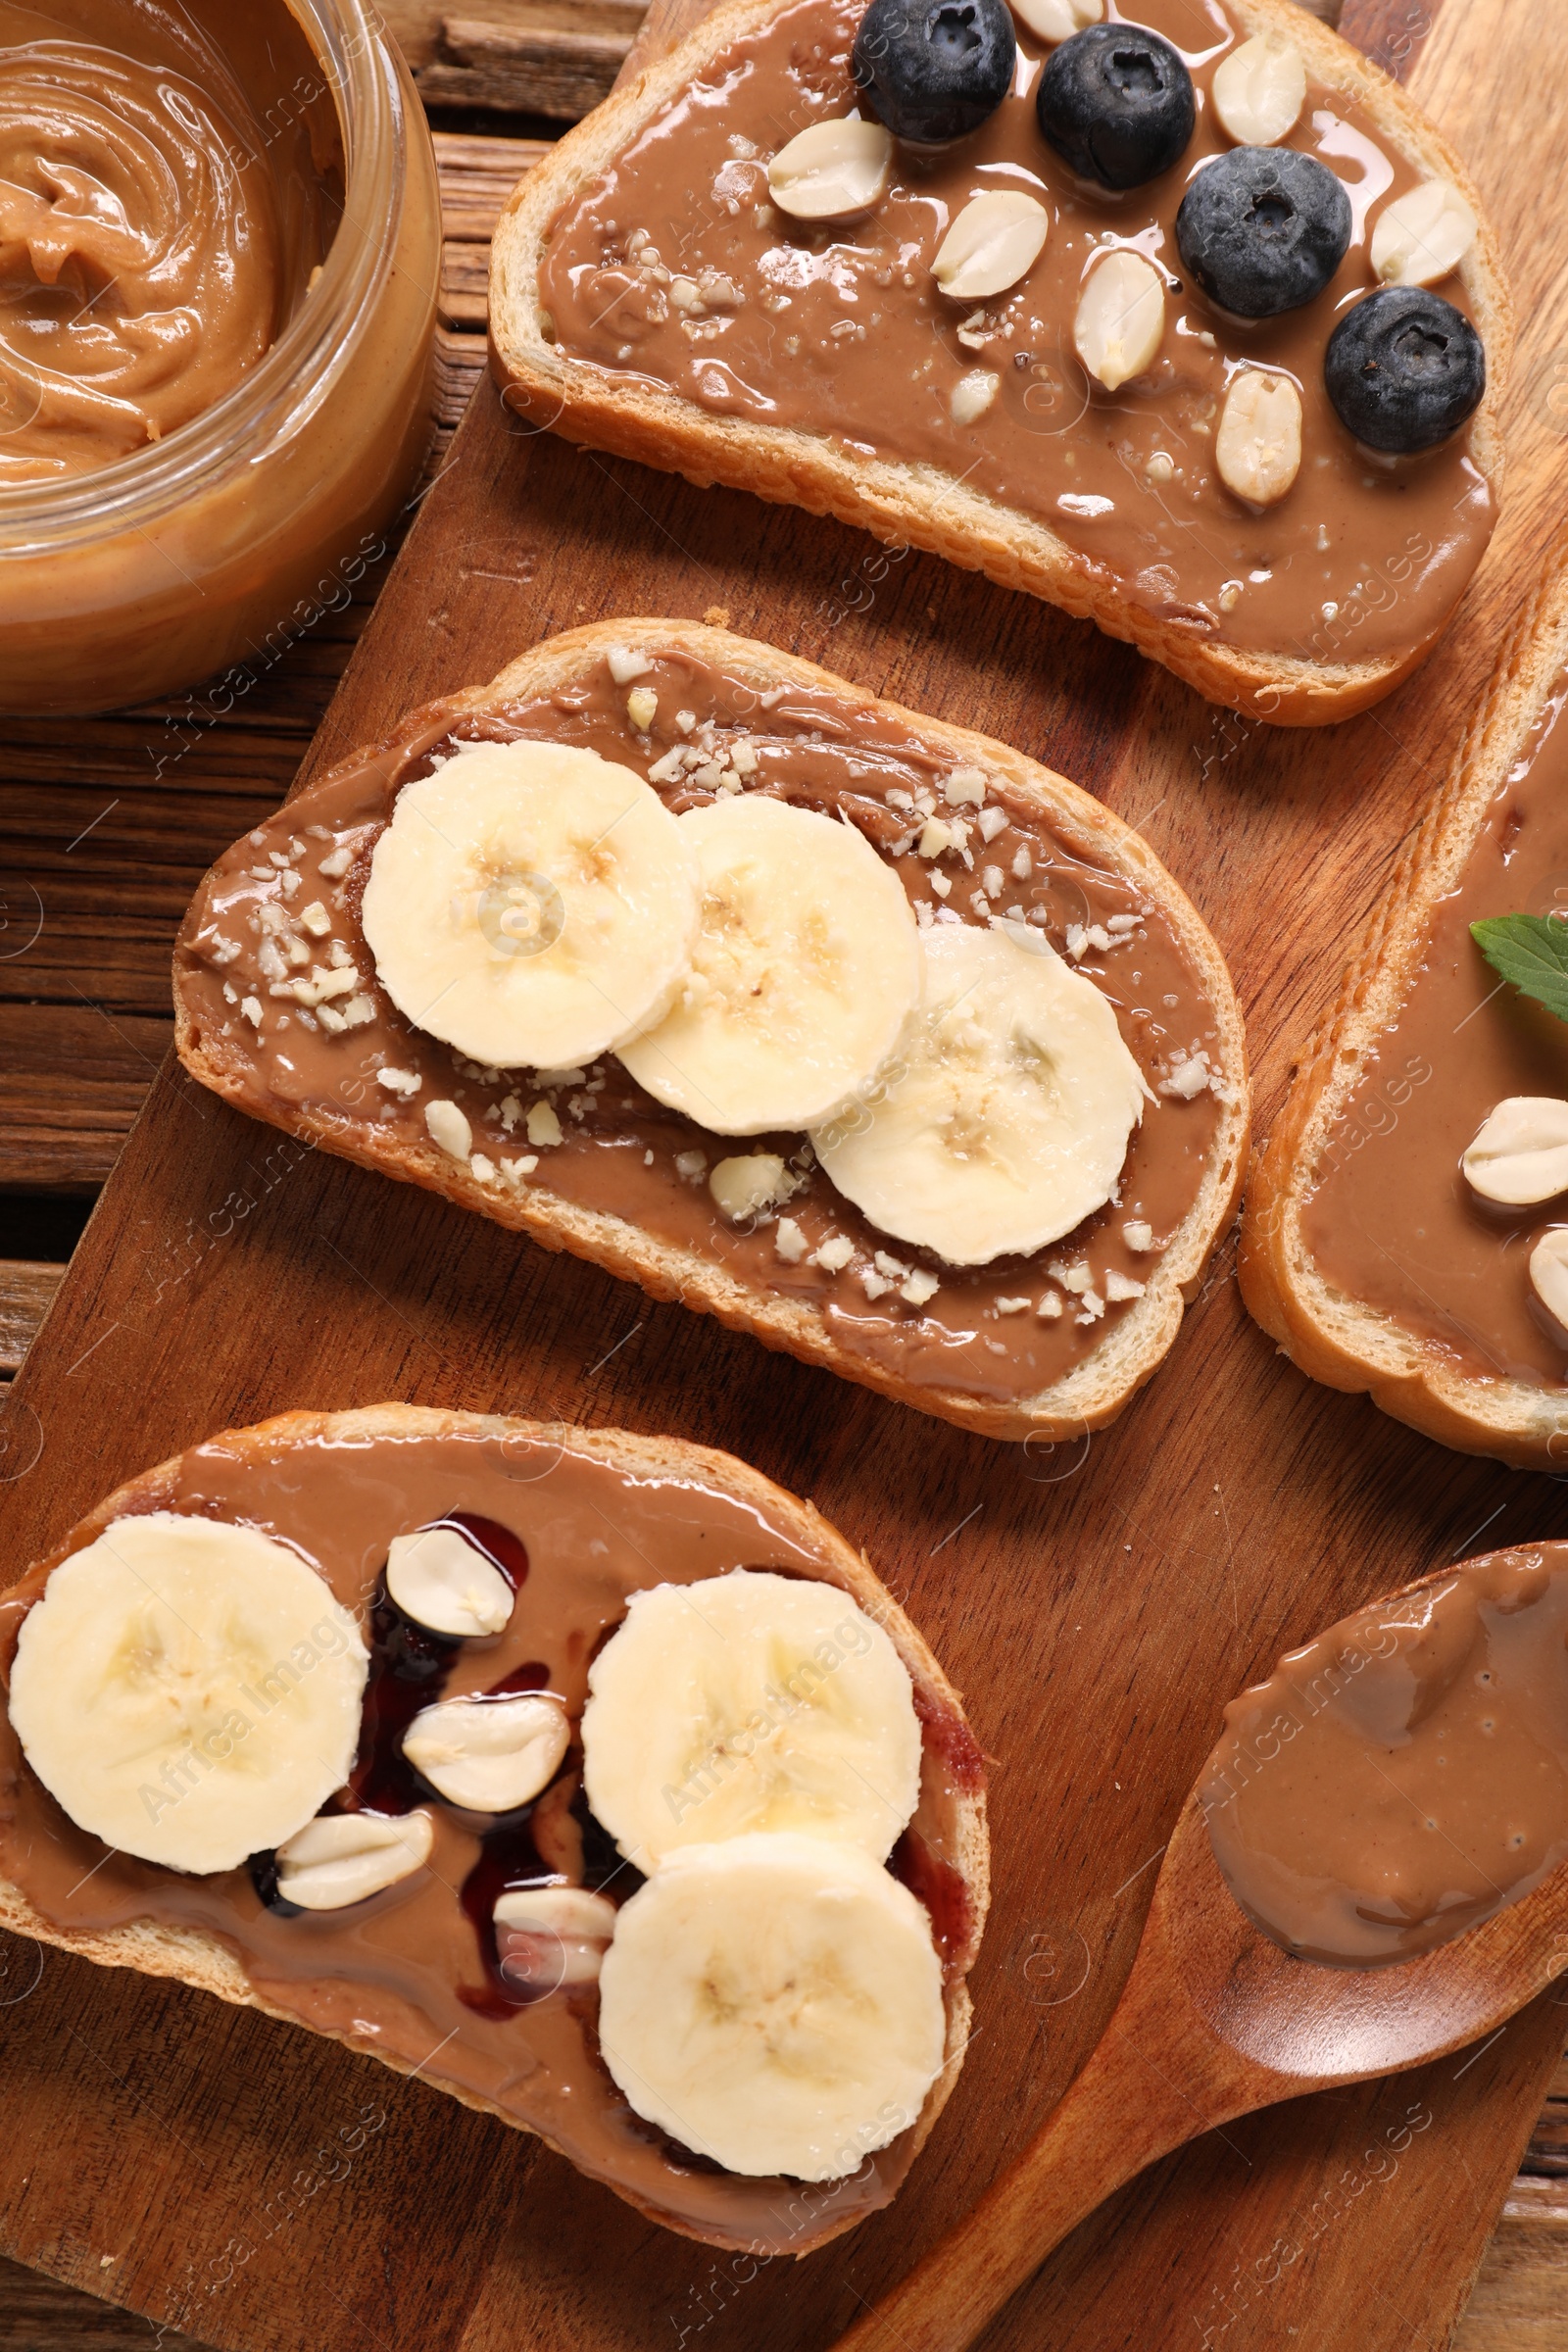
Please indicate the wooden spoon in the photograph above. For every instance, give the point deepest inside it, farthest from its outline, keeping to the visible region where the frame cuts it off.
(1215, 2021)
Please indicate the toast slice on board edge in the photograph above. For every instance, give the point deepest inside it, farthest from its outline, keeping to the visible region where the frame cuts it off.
(916, 505)
(272, 1453)
(224, 1055)
(1334, 1335)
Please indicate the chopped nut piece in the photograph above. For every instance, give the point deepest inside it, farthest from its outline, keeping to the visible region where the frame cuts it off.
(543, 1126)
(935, 840)
(315, 919)
(966, 787)
(1260, 90)
(1137, 1234)
(992, 821)
(1023, 865)
(994, 241)
(668, 770)
(1121, 318)
(1049, 1308)
(627, 664)
(834, 1255)
(743, 760)
(972, 395)
(1259, 446)
(337, 861)
(875, 1285)
(252, 1010)
(1119, 1285)
(1422, 236)
(920, 1289)
(1187, 1080)
(746, 1185)
(449, 1130)
(789, 1242)
(692, 1166)
(832, 171)
(404, 1083)
(941, 885)
(889, 1266)
(1012, 1307)
(642, 708)
(484, 1171)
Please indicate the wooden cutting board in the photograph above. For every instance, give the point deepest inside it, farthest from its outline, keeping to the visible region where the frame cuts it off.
(256, 2187)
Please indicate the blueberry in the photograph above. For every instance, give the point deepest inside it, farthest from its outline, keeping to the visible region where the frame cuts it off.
(1405, 370)
(1262, 229)
(933, 70)
(1117, 102)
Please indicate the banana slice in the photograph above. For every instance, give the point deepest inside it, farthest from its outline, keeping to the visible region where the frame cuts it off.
(749, 1702)
(188, 1691)
(531, 904)
(1007, 1120)
(490, 1754)
(775, 2003)
(804, 973)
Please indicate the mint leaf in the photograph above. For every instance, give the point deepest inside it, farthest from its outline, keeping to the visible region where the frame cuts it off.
(1531, 951)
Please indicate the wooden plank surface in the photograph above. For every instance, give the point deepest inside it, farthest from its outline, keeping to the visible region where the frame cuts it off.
(1389, 1492)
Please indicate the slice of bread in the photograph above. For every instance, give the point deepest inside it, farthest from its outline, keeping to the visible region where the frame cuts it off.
(160, 1948)
(918, 505)
(1336, 1338)
(1136, 1341)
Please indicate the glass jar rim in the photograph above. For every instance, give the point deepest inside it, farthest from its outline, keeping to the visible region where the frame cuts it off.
(361, 74)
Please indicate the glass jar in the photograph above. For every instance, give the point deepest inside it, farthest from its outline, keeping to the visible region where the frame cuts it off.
(217, 546)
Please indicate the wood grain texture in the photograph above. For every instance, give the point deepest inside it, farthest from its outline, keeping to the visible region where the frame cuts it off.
(1096, 1609)
(558, 58)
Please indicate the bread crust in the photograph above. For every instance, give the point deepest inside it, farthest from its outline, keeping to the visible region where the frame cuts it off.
(1098, 1388)
(920, 505)
(207, 1963)
(1335, 1337)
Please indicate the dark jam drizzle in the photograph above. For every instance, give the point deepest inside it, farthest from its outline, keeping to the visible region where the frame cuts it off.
(938, 1887)
(507, 1858)
(409, 1668)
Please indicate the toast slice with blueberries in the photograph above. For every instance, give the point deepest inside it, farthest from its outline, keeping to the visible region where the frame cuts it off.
(1207, 348)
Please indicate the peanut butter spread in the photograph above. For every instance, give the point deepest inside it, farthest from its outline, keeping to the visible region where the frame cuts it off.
(274, 977)
(674, 267)
(169, 180)
(412, 1973)
(1390, 1220)
(1406, 1776)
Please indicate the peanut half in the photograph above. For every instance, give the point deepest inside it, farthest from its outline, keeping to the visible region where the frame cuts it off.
(1521, 1153)
(995, 240)
(1258, 445)
(1422, 236)
(832, 171)
(1121, 318)
(1260, 90)
(1058, 19)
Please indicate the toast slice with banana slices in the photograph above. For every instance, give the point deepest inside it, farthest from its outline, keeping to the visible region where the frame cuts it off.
(857, 1030)
(1404, 1226)
(775, 260)
(487, 1747)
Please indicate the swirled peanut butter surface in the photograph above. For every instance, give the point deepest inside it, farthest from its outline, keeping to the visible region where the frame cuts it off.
(672, 264)
(167, 186)
(1406, 1776)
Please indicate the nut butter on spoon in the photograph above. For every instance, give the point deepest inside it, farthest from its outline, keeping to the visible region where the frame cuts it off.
(1372, 1871)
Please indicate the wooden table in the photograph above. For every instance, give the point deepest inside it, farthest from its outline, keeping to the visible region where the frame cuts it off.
(99, 854)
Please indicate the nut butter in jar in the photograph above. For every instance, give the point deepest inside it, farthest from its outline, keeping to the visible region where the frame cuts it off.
(219, 250)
